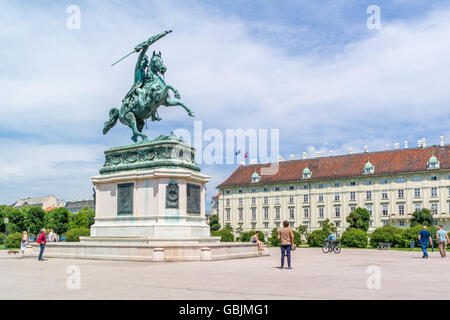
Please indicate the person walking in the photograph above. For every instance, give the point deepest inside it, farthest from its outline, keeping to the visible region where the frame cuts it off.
(286, 236)
(425, 240)
(442, 240)
(42, 242)
(24, 241)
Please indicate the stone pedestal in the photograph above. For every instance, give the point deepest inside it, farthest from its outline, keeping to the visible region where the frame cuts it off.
(150, 206)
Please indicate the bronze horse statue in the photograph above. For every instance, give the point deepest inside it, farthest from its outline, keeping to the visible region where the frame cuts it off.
(147, 94)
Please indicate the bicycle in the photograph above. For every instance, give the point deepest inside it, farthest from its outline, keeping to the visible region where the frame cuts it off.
(331, 246)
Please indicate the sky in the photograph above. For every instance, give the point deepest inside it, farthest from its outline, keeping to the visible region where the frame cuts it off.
(311, 69)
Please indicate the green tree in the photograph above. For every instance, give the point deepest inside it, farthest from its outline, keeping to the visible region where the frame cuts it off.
(302, 230)
(317, 238)
(13, 240)
(228, 227)
(421, 217)
(34, 219)
(90, 214)
(327, 226)
(59, 220)
(359, 219)
(80, 220)
(356, 238)
(397, 237)
(16, 217)
(297, 238)
(273, 239)
(73, 235)
(214, 224)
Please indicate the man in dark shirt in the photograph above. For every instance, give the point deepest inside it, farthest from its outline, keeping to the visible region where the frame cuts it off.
(425, 240)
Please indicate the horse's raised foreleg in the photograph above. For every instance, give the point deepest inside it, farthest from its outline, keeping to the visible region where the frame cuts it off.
(175, 91)
(171, 103)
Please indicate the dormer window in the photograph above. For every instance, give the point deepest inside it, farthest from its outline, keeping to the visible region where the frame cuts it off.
(368, 168)
(433, 163)
(255, 177)
(306, 173)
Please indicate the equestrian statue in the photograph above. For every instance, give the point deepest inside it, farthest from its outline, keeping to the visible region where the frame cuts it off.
(148, 93)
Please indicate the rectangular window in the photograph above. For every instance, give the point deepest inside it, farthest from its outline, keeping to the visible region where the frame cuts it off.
(401, 209)
(416, 192)
(277, 224)
(227, 213)
(385, 210)
(433, 178)
(227, 192)
(434, 208)
(240, 201)
(352, 183)
(241, 214)
(266, 213)
(369, 208)
(277, 199)
(291, 188)
(240, 191)
(384, 222)
(337, 184)
(434, 191)
(337, 223)
(384, 194)
(401, 223)
(305, 198)
(266, 200)
(352, 209)
(266, 225)
(277, 212)
(320, 224)
(253, 213)
(369, 195)
(418, 207)
(306, 212)
(321, 185)
(266, 189)
(353, 195)
(277, 188)
(291, 213)
(227, 202)
(253, 200)
(336, 196)
(337, 212)
(321, 196)
(253, 190)
(291, 199)
(305, 187)
(401, 193)
(321, 212)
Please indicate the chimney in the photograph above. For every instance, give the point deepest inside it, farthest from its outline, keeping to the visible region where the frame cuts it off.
(331, 153)
(318, 153)
(242, 163)
(396, 146)
(405, 144)
(305, 155)
(441, 141)
(424, 142)
(366, 149)
(386, 147)
(280, 158)
(292, 157)
(350, 150)
(419, 143)
(254, 161)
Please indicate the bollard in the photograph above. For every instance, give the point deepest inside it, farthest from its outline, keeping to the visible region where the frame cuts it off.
(205, 254)
(158, 254)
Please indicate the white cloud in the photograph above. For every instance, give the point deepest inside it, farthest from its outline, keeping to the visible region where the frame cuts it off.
(57, 84)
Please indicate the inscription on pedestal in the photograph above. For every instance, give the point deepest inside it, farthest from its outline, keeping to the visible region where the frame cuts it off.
(193, 198)
(125, 198)
(172, 195)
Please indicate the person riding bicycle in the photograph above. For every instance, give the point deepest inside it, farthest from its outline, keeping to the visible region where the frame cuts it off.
(331, 240)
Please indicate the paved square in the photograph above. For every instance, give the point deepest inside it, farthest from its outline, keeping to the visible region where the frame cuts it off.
(315, 275)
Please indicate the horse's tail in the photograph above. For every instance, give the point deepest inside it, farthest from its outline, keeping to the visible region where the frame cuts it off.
(113, 116)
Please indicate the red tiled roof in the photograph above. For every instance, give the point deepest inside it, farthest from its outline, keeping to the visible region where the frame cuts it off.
(345, 166)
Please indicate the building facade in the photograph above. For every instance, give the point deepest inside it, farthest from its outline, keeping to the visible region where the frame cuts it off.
(391, 185)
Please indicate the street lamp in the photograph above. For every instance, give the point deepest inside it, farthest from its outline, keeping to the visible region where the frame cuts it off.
(432, 211)
(6, 220)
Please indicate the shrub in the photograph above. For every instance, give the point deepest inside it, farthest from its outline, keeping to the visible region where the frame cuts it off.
(246, 236)
(73, 235)
(13, 240)
(297, 238)
(395, 236)
(355, 238)
(316, 238)
(273, 239)
(225, 234)
(2, 238)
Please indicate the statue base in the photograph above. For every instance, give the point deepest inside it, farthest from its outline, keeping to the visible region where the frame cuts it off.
(150, 206)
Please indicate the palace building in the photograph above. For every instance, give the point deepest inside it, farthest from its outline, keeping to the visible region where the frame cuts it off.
(391, 185)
